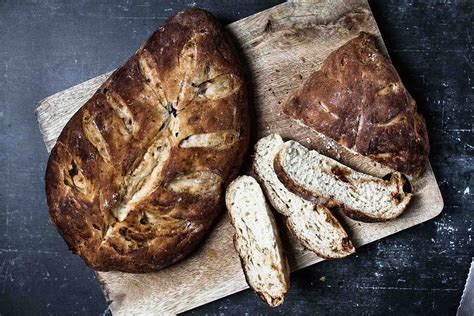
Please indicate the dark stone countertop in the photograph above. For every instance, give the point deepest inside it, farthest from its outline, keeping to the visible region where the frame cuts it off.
(47, 46)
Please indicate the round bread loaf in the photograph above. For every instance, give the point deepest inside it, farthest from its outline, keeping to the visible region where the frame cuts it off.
(137, 176)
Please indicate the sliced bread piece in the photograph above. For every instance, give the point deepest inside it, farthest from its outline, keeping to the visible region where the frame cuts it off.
(313, 225)
(257, 240)
(322, 179)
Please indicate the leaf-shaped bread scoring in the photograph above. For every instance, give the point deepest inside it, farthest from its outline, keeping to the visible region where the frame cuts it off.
(136, 177)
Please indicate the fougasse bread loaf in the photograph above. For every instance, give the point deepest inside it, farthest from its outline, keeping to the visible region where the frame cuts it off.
(257, 240)
(357, 99)
(137, 175)
(328, 182)
(313, 225)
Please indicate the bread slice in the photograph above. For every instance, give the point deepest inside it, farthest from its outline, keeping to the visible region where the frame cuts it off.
(322, 179)
(257, 240)
(313, 225)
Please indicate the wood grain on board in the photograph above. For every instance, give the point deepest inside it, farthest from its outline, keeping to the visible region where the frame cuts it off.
(281, 46)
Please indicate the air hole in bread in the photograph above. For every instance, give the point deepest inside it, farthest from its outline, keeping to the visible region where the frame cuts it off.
(172, 110)
(123, 231)
(72, 169)
(74, 178)
(407, 187)
(144, 220)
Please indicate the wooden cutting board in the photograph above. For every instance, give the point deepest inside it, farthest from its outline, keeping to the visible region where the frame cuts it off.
(282, 46)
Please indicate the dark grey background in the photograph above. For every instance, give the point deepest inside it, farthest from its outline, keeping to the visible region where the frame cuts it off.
(47, 46)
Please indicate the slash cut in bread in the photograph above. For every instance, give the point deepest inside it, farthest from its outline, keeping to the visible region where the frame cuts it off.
(313, 225)
(137, 175)
(257, 240)
(328, 182)
(358, 99)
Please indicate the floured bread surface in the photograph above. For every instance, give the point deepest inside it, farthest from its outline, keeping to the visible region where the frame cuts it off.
(136, 177)
(358, 99)
(257, 240)
(330, 183)
(313, 225)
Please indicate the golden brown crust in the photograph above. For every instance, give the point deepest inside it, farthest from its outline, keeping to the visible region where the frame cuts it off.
(136, 177)
(358, 99)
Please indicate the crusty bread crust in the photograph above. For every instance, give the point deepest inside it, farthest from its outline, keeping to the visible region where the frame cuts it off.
(400, 198)
(137, 175)
(257, 241)
(358, 99)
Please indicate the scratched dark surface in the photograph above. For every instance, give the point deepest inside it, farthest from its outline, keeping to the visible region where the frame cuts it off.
(47, 46)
